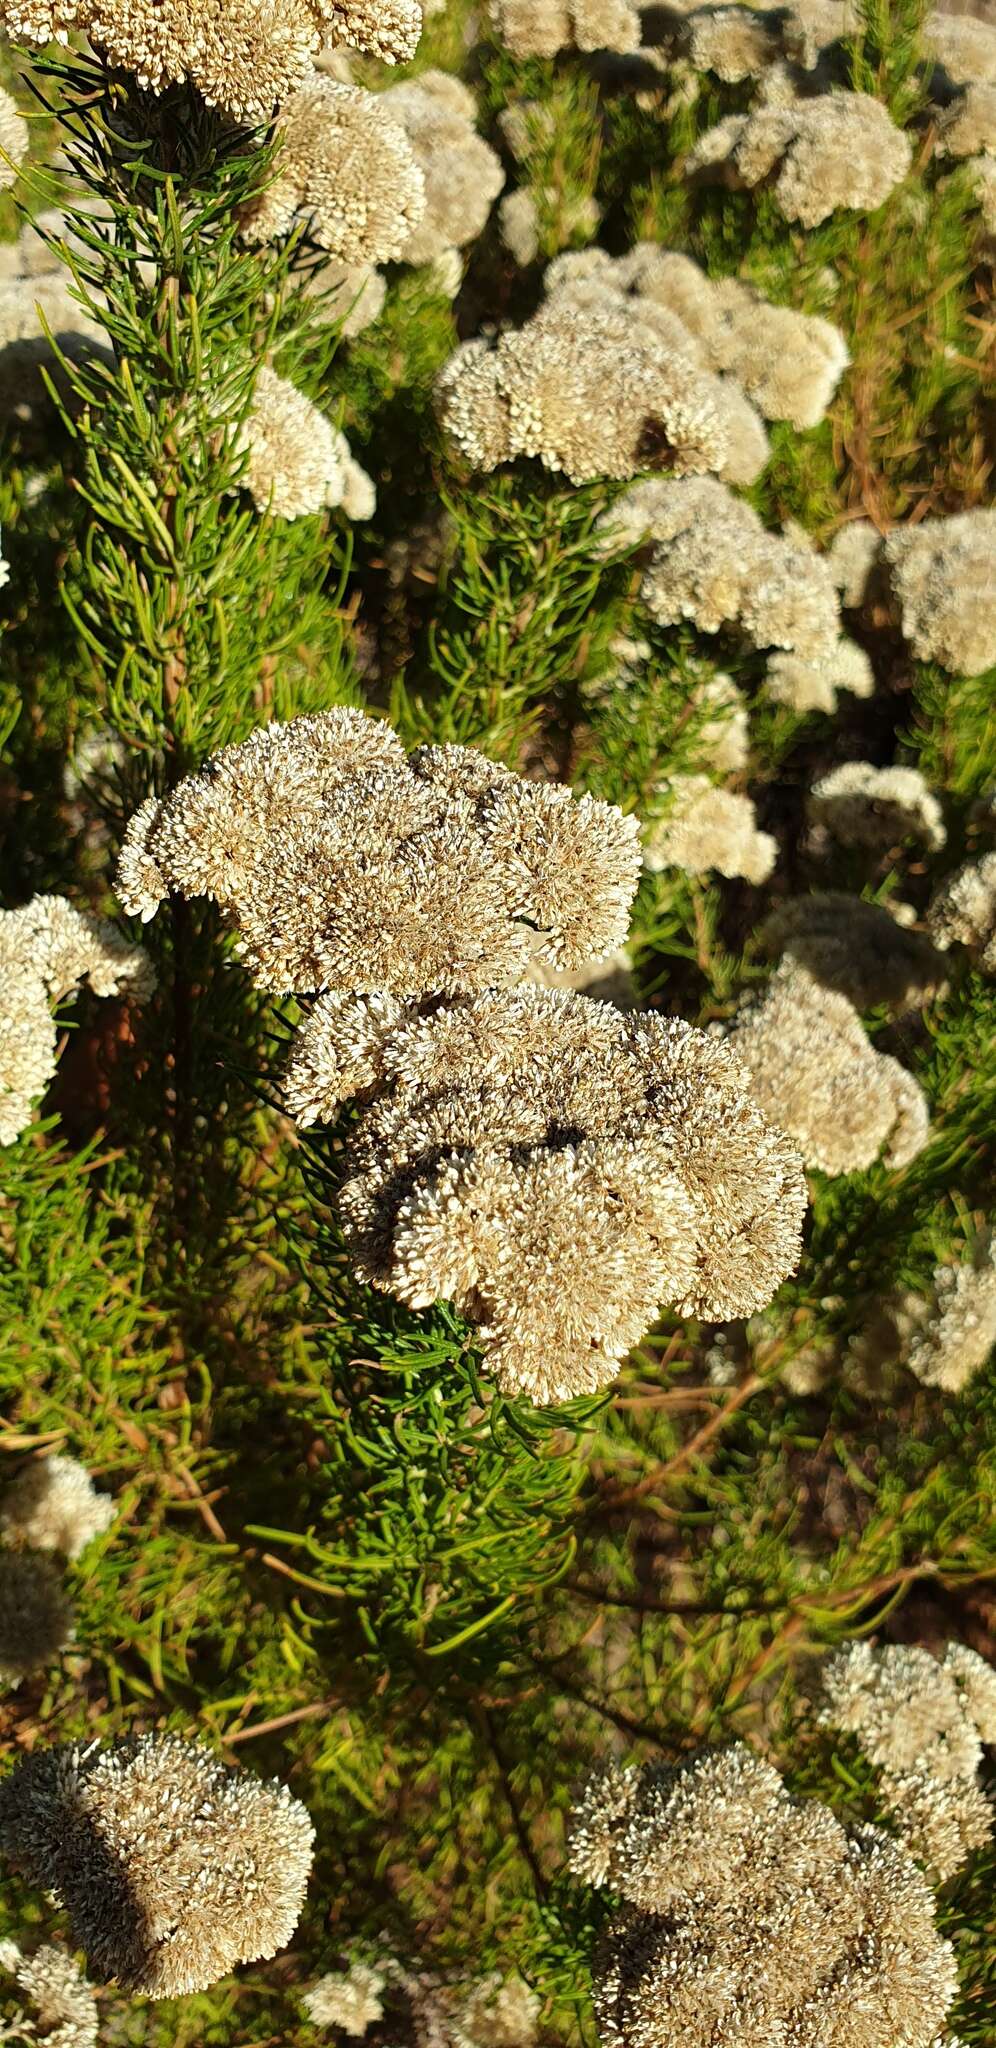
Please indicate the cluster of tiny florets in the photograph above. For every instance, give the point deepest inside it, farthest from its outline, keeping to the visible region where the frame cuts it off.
(713, 562)
(963, 911)
(348, 1999)
(922, 1721)
(818, 1077)
(172, 1869)
(347, 169)
(539, 28)
(63, 2007)
(751, 1916)
(344, 864)
(47, 948)
(857, 948)
(596, 390)
(942, 577)
(861, 805)
(461, 174)
(838, 150)
(963, 46)
(297, 462)
(54, 1505)
(955, 1337)
(706, 829)
(968, 127)
(789, 364)
(495, 2011)
(242, 57)
(559, 1170)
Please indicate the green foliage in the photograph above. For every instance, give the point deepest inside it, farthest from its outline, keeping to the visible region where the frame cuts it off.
(339, 1554)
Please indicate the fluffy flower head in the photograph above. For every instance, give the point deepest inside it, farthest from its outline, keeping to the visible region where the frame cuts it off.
(345, 865)
(559, 1170)
(172, 1869)
(816, 1075)
(54, 1505)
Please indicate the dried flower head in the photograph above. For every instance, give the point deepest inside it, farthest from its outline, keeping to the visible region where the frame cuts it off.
(557, 1169)
(244, 56)
(862, 805)
(753, 1916)
(346, 865)
(838, 150)
(348, 1999)
(856, 948)
(65, 2009)
(347, 168)
(497, 2012)
(734, 42)
(964, 46)
(297, 462)
(963, 911)
(47, 948)
(461, 173)
(958, 1334)
(812, 26)
(172, 1869)
(36, 1618)
(787, 363)
(539, 28)
(812, 685)
(54, 1505)
(968, 127)
(942, 577)
(817, 1077)
(708, 829)
(594, 391)
(906, 1708)
(922, 1723)
(714, 563)
(854, 553)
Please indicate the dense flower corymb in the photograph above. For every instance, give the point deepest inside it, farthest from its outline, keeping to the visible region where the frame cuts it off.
(942, 576)
(963, 911)
(462, 175)
(594, 390)
(343, 864)
(838, 150)
(862, 805)
(64, 2007)
(54, 1505)
(750, 1916)
(46, 949)
(171, 1868)
(856, 948)
(818, 1077)
(539, 28)
(244, 56)
(297, 462)
(788, 363)
(559, 1170)
(923, 1723)
(346, 168)
(713, 562)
